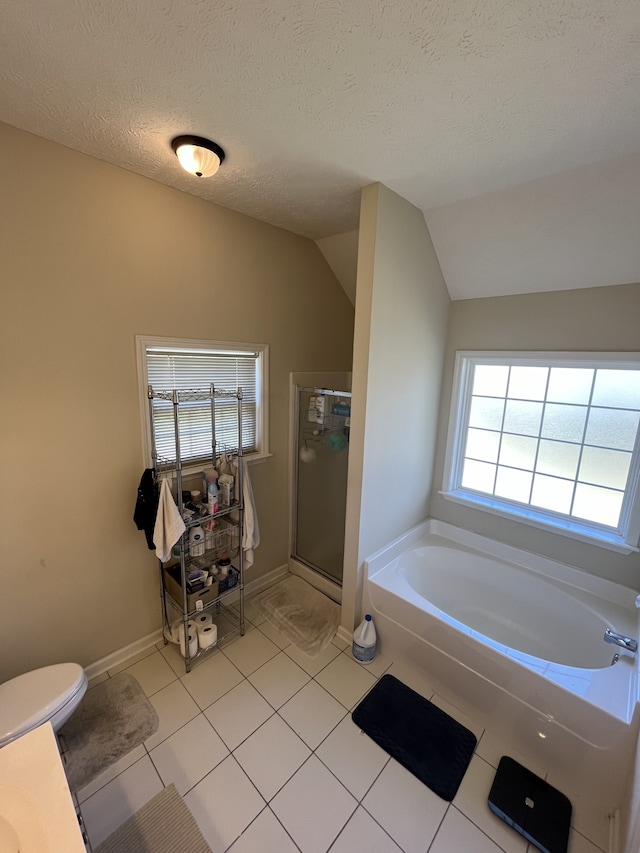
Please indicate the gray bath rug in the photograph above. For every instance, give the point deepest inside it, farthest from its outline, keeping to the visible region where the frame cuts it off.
(163, 825)
(113, 718)
(305, 616)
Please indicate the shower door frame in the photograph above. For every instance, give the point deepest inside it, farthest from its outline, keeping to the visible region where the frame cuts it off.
(327, 383)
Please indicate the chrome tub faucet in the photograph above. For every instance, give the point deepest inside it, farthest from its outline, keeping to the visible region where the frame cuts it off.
(620, 640)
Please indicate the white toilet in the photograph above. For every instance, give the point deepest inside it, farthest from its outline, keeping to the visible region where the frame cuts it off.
(51, 693)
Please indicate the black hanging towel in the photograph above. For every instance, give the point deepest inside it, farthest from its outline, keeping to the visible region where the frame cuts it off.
(147, 505)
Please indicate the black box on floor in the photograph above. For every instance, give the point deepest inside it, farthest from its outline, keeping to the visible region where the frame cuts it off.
(531, 806)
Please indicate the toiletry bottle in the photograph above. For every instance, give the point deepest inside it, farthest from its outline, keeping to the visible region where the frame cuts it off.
(210, 479)
(226, 489)
(196, 541)
(223, 565)
(364, 641)
(210, 528)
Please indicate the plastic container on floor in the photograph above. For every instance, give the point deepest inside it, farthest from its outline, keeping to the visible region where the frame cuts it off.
(364, 641)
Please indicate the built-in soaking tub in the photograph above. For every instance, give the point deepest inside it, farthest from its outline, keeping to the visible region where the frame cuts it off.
(516, 635)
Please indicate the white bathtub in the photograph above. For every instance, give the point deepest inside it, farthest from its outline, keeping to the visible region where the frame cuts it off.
(515, 635)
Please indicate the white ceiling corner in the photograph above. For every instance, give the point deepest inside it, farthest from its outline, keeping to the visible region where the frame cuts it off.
(462, 107)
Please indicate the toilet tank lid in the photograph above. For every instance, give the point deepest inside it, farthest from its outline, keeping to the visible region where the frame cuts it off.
(35, 696)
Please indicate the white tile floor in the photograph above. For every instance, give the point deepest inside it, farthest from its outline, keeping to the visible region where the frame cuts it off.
(258, 739)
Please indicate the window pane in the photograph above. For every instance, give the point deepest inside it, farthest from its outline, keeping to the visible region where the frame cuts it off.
(518, 451)
(552, 493)
(612, 428)
(490, 380)
(523, 418)
(558, 458)
(486, 413)
(564, 423)
(617, 388)
(513, 484)
(528, 383)
(605, 467)
(478, 476)
(482, 444)
(561, 441)
(570, 385)
(595, 504)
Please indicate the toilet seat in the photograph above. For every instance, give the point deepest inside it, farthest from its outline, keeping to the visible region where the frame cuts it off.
(50, 693)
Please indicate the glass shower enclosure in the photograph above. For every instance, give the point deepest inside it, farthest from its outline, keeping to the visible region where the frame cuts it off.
(323, 419)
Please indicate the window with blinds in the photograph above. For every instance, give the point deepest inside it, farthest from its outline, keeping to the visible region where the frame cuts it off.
(195, 366)
(550, 439)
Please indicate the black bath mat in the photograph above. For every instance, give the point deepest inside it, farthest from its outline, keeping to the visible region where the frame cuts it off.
(426, 741)
(531, 806)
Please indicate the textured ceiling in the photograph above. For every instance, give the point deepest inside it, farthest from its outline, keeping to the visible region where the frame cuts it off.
(441, 100)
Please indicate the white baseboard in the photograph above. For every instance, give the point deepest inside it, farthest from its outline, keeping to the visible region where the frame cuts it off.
(344, 634)
(121, 655)
(266, 580)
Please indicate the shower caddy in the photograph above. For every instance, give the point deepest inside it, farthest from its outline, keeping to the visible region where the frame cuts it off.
(227, 538)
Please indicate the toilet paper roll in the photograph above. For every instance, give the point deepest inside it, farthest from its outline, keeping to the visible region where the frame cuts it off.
(203, 620)
(193, 645)
(208, 636)
(177, 630)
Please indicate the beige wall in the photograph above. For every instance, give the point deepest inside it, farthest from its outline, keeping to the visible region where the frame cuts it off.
(93, 255)
(597, 319)
(399, 340)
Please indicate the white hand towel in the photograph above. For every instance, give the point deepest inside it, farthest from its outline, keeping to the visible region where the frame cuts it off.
(169, 525)
(251, 535)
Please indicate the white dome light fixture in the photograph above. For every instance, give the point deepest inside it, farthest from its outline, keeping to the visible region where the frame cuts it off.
(198, 156)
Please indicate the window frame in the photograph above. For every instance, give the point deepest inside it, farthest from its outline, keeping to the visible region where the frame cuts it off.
(143, 342)
(623, 540)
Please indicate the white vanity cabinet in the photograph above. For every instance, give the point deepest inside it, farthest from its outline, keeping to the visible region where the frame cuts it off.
(37, 814)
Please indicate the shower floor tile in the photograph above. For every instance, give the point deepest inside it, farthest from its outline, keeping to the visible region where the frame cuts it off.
(300, 776)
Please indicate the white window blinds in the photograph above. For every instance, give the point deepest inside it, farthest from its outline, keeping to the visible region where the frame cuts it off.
(198, 369)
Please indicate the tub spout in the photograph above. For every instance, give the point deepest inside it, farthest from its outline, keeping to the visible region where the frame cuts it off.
(620, 640)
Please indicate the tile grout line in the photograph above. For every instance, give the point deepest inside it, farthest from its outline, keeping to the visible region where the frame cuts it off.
(313, 750)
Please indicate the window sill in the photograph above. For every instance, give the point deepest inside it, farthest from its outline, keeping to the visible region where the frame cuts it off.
(581, 533)
(196, 468)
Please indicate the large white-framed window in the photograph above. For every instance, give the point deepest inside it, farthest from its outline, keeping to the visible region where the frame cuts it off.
(186, 364)
(549, 439)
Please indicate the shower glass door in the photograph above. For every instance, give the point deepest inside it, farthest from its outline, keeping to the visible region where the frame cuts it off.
(323, 420)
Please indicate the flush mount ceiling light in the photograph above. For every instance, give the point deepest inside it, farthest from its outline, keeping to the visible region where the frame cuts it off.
(198, 156)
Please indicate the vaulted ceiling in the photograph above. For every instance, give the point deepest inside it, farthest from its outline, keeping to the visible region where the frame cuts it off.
(514, 124)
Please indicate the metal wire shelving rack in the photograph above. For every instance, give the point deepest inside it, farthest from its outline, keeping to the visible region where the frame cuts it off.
(225, 600)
